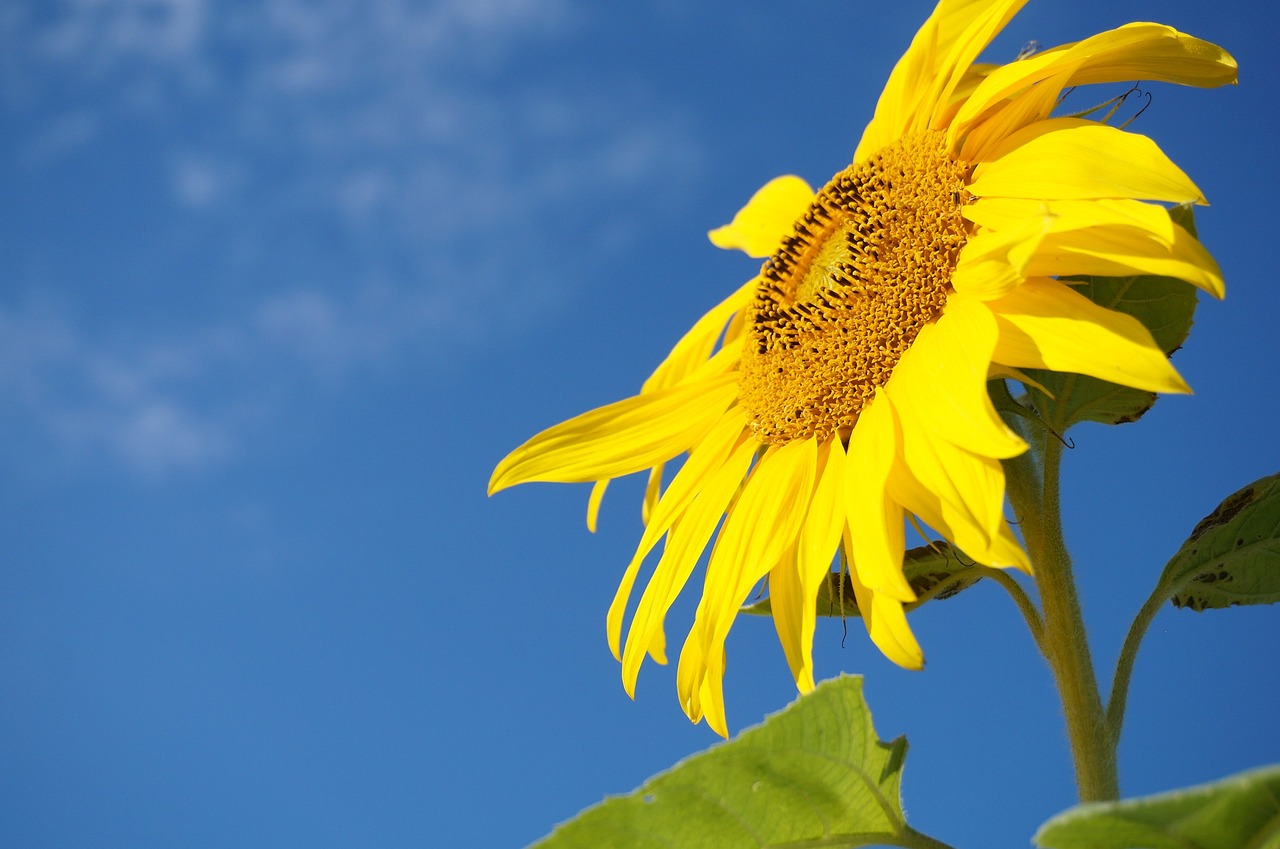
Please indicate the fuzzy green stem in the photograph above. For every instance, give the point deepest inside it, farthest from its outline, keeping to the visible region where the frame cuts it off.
(1124, 666)
(1025, 605)
(1065, 644)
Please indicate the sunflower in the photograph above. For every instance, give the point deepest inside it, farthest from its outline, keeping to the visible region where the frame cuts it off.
(842, 391)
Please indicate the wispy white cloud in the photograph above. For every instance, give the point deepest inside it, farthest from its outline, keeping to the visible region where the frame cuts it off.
(411, 131)
(106, 400)
(159, 403)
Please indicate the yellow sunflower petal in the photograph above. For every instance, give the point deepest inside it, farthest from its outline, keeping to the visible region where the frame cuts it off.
(901, 94)
(763, 524)
(1153, 52)
(957, 492)
(1108, 237)
(690, 673)
(696, 346)
(934, 66)
(787, 603)
(711, 692)
(658, 646)
(941, 381)
(1119, 251)
(652, 489)
(1035, 104)
(994, 261)
(875, 520)
(794, 582)
(760, 225)
(1012, 214)
(990, 18)
(593, 503)
(621, 438)
(885, 621)
(1046, 324)
(1138, 51)
(685, 545)
(888, 628)
(1073, 159)
(705, 466)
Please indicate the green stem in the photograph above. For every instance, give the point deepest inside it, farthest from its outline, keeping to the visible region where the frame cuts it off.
(1025, 605)
(1124, 666)
(1065, 644)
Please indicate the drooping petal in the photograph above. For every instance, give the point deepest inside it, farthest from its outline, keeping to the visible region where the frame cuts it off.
(1073, 159)
(1156, 53)
(652, 490)
(593, 503)
(816, 546)
(685, 545)
(941, 381)
(1110, 238)
(705, 463)
(761, 224)
(885, 621)
(620, 438)
(958, 493)
(787, 605)
(763, 524)
(1137, 51)
(1046, 324)
(874, 519)
(1118, 251)
(690, 675)
(888, 628)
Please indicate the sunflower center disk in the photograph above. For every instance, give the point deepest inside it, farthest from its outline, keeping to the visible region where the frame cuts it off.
(866, 266)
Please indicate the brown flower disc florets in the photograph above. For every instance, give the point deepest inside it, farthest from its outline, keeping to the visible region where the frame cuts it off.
(866, 266)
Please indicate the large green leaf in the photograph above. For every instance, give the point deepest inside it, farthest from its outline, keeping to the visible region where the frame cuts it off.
(1241, 812)
(1233, 555)
(935, 570)
(1164, 304)
(813, 775)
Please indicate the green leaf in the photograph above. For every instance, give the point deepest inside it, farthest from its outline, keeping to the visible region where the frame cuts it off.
(813, 775)
(1233, 555)
(1164, 304)
(934, 571)
(1241, 812)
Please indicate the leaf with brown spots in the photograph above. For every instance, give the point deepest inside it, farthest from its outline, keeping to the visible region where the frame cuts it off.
(1233, 555)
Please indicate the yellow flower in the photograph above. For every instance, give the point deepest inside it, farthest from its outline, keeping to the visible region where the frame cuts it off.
(843, 390)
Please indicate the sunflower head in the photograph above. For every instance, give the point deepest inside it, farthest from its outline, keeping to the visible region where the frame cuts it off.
(843, 390)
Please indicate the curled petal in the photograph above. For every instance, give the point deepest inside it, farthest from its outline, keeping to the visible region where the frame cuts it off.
(760, 225)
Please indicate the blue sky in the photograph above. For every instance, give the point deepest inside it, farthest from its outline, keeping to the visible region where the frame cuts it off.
(284, 280)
